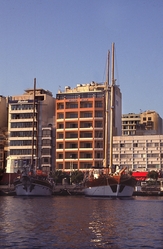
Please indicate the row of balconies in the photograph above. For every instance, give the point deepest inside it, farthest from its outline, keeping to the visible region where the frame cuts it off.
(80, 124)
(138, 148)
(85, 105)
(79, 159)
(76, 129)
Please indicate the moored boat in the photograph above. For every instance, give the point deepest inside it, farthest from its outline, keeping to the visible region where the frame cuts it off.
(33, 182)
(107, 183)
(117, 185)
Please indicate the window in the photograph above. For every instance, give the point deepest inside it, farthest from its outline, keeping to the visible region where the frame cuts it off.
(73, 135)
(98, 114)
(60, 115)
(98, 104)
(73, 115)
(21, 124)
(122, 145)
(88, 145)
(46, 133)
(74, 146)
(60, 106)
(61, 126)
(22, 142)
(46, 160)
(21, 134)
(87, 135)
(60, 156)
(46, 142)
(73, 125)
(87, 114)
(21, 152)
(46, 151)
(60, 146)
(88, 155)
(60, 135)
(60, 166)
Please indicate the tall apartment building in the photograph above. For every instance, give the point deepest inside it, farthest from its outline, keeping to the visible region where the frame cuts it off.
(80, 117)
(138, 153)
(145, 123)
(21, 128)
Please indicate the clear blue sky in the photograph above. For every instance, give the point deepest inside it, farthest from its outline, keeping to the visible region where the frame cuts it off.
(65, 42)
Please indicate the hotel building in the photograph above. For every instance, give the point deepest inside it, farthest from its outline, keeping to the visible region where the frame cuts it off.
(80, 117)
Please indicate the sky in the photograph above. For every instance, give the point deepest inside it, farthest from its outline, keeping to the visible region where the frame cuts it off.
(65, 43)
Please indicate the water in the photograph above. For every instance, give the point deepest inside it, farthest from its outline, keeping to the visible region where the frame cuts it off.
(80, 222)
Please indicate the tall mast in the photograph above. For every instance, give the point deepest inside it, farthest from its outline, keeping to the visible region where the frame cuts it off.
(106, 111)
(33, 121)
(112, 110)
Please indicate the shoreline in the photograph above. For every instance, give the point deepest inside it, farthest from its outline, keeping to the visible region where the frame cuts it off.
(69, 190)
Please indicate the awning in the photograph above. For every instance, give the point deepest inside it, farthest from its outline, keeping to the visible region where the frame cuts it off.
(140, 176)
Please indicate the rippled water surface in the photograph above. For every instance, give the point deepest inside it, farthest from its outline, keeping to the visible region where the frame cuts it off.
(80, 222)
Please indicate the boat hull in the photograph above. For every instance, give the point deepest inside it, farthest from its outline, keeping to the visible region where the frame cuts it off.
(117, 190)
(37, 190)
(29, 186)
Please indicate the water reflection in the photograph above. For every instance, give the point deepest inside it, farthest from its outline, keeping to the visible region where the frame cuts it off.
(79, 222)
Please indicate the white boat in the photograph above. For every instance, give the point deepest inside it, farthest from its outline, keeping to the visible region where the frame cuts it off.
(33, 182)
(104, 182)
(120, 185)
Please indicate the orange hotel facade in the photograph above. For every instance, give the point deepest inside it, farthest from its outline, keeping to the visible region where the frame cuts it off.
(80, 118)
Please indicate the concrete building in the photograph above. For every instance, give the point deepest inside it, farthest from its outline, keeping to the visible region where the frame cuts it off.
(3, 111)
(138, 153)
(152, 122)
(80, 117)
(145, 123)
(21, 129)
(129, 124)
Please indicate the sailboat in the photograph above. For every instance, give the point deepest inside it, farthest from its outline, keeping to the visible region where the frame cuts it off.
(109, 183)
(33, 182)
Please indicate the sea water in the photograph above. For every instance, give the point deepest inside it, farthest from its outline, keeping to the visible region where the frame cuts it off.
(80, 222)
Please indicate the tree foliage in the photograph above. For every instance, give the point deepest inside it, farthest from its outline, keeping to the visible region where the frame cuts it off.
(153, 175)
(77, 176)
(59, 175)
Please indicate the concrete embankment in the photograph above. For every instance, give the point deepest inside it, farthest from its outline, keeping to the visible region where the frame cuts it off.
(61, 190)
(7, 190)
(70, 190)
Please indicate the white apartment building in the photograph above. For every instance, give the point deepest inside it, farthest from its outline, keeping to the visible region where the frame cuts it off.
(138, 153)
(24, 124)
